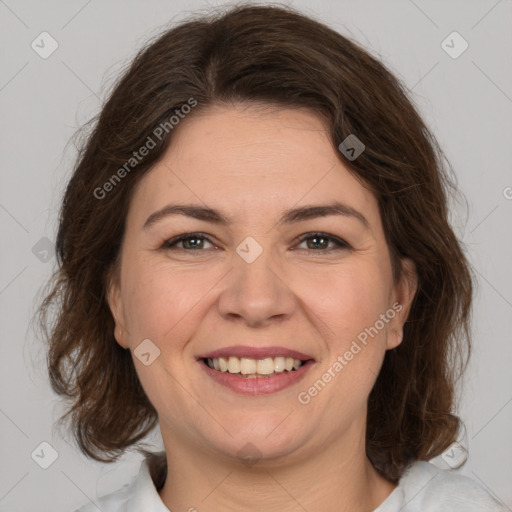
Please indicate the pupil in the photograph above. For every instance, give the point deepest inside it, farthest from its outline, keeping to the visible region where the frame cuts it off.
(316, 238)
(190, 241)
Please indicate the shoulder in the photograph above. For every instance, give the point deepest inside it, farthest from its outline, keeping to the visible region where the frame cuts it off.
(114, 502)
(140, 494)
(426, 487)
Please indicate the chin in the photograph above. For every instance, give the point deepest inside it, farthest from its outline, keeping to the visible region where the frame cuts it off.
(260, 441)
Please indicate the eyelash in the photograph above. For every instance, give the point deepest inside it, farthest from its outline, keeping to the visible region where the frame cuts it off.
(340, 243)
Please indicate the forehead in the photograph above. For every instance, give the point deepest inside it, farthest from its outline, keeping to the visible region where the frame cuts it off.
(245, 159)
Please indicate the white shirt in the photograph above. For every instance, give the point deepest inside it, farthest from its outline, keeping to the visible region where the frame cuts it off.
(422, 488)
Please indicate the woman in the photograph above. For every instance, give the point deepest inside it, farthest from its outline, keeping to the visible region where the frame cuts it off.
(255, 256)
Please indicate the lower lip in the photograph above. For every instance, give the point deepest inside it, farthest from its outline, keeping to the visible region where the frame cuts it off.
(259, 385)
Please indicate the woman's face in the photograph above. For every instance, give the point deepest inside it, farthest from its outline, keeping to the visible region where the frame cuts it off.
(272, 270)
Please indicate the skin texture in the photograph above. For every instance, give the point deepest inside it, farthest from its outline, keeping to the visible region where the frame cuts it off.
(252, 164)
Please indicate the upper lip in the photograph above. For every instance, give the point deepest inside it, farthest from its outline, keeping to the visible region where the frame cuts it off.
(255, 353)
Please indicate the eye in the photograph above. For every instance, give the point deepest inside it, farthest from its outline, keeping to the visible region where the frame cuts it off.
(189, 241)
(321, 241)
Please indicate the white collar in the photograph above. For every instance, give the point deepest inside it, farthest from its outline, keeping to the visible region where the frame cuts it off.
(145, 496)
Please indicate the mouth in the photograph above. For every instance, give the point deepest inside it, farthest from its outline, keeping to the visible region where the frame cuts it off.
(250, 368)
(256, 370)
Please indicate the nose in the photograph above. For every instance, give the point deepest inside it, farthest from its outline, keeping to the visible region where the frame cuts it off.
(258, 292)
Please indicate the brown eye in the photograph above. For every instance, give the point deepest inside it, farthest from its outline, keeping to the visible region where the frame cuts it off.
(321, 241)
(189, 242)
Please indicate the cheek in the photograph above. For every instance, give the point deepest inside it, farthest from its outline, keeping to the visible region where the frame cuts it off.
(161, 303)
(349, 302)
(355, 342)
(348, 308)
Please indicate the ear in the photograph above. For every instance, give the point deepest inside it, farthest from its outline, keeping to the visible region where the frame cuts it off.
(403, 295)
(115, 303)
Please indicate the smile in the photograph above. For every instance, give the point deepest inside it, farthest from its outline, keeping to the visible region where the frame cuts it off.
(255, 383)
(253, 368)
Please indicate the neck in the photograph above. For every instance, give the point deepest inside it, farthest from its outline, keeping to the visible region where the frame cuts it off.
(339, 478)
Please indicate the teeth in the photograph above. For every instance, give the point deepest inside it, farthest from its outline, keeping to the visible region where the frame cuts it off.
(279, 364)
(265, 366)
(247, 366)
(223, 364)
(253, 367)
(234, 365)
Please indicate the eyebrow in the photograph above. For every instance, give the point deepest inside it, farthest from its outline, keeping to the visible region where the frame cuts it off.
(289, 217)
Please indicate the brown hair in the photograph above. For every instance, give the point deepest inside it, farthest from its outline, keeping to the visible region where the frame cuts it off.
(268, 55)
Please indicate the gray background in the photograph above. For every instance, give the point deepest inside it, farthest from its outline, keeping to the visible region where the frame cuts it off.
(466, 101)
